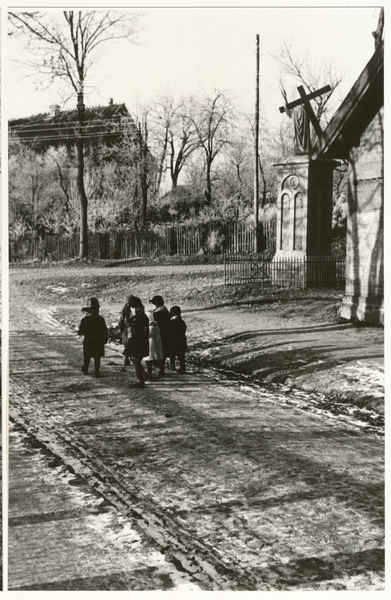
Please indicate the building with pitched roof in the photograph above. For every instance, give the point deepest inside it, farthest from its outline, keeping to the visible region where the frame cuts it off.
(107, 124)
(356, 134)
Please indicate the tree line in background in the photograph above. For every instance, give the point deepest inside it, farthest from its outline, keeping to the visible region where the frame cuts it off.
(193, 161)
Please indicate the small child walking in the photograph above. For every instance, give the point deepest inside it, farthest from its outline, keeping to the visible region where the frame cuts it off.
(162, 318)
(178, 342)
(137, 346)
(94, 330)
(155, 357)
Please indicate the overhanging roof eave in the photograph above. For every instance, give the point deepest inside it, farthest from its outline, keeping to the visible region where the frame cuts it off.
(345, 114)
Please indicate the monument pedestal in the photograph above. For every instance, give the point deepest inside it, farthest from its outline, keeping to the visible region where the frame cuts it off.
(304, 210)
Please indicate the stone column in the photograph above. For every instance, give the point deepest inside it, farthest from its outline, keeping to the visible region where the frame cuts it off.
(304, 210)
(304, 207)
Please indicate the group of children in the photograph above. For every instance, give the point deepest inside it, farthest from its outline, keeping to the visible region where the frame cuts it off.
(153, 337)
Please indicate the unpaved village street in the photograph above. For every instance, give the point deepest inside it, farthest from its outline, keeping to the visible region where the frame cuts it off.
(236, 487)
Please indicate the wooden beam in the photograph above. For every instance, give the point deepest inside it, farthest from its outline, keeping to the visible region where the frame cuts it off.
(311, 96)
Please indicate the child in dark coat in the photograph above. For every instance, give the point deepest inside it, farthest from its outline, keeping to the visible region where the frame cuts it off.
(94, 330)
(178, 343)
(123, 324)
(137, 346)
(162, 318)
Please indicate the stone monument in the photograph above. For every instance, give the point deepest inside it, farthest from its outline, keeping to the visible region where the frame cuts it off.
(305, 188)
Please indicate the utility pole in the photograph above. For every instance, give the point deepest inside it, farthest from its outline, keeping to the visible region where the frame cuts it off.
(256, 169)
(80, 176)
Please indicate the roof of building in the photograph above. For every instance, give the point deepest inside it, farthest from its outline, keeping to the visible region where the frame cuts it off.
(358, 109)
(106, 123)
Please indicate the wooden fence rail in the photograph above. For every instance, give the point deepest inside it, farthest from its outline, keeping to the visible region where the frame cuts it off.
(188, 240)
(310, 271)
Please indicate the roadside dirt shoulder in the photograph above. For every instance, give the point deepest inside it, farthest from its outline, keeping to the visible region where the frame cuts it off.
(341, 360)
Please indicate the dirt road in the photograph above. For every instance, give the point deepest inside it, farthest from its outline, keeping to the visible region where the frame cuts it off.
(236, 485)
(89, 544)
(288, 336)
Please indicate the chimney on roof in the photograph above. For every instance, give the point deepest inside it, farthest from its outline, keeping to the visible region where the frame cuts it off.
(111, 101)
(54, 110)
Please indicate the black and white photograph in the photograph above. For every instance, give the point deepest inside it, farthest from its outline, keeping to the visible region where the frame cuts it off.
(193, 388)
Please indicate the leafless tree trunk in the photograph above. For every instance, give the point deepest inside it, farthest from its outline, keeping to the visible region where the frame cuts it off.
(145, 180)
(176, 139)
(80, 180)
(213, 124)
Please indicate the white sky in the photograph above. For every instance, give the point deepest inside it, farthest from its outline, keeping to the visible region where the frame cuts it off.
(188, 49)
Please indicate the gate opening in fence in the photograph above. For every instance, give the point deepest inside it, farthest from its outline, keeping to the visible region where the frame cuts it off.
(310, 271)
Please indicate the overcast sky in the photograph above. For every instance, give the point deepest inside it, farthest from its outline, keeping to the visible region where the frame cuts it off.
(192, 49)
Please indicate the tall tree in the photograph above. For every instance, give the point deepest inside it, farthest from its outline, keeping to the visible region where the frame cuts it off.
(213, 121)
(66, 49)
(145, 166)
(173, 137)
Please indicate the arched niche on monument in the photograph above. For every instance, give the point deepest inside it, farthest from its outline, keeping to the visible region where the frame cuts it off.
(298, 221)
(292, 214)
(285, 220)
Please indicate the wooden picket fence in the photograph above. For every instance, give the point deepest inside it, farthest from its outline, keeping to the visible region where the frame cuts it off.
(186, 240)
(310, 271)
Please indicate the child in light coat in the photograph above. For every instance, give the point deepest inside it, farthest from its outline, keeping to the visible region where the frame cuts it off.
(155, 357)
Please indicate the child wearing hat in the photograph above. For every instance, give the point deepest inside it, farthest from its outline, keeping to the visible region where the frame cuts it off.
(94, 330)
(178, 342)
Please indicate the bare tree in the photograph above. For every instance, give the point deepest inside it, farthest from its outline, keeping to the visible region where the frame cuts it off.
(239, 168)
(182, 140)
(174, 135)
(59, 162)
(213, 122)
(144, 165)
(66, 49)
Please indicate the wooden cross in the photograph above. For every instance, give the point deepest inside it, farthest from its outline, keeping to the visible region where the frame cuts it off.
(305, 100)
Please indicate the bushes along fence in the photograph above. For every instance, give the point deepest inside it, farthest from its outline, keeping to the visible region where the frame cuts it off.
(187, 240)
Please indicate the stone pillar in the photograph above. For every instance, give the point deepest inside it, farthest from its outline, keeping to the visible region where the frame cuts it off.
(304, 214)
(304, 207)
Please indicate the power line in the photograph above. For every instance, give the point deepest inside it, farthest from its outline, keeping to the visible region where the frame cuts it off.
(66, 124)
(73, 136)
(125, 121)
